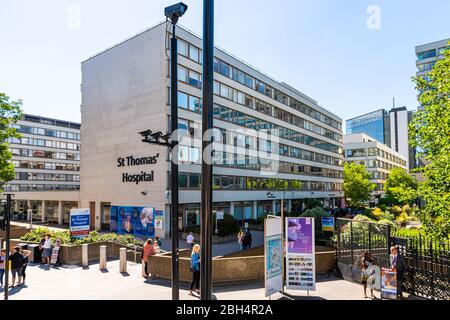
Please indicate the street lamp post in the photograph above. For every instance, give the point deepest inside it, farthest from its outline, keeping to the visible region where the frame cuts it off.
(207, 172)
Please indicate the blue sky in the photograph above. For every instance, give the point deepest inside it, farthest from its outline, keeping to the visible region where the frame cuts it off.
(321, 47)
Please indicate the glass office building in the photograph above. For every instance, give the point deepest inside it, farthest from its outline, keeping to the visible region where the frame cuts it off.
(373, 124)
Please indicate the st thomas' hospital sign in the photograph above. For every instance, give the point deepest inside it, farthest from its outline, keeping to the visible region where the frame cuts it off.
(131, 161)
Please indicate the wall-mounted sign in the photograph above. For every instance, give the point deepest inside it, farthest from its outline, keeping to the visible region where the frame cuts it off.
(138, 221)
(131, 161)
(79, 222)
(300, 254)
(159, 220)
(328, 224)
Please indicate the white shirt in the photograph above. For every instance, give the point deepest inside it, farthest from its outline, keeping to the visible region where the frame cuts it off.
(190, 239)
(48, 244)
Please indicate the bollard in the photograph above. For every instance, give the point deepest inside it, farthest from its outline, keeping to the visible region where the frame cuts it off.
(84, 256)
(103, 258)
(123, 260)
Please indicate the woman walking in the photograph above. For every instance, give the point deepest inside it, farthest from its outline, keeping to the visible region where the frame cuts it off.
(149, 250)
(366, 274)
(2, 266)
(195, 269)
(241, 240)
(47, 252)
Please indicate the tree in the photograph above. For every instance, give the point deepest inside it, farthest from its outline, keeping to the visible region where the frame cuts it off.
(357, 187)
(10, 112)
(430, 132)
(400, 187)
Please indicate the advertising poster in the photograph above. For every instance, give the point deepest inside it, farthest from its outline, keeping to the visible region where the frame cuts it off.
(300, 254)
(137, 221)
(159, 220)
(388, 283)
(273, 255)
(327, 224)
(79, 222)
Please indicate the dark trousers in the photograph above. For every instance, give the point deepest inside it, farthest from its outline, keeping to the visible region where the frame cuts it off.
(146, 268)
(400, 276)
(195, 280)
(24, 275)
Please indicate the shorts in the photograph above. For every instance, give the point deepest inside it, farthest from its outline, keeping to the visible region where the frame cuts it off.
(16, 272)
(47, 253)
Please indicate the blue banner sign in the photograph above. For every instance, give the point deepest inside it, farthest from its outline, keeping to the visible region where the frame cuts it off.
(137, 221)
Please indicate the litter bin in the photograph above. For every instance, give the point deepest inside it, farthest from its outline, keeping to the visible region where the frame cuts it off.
(35, 256)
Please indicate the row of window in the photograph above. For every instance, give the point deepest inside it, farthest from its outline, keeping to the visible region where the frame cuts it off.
(190, 51)
(45, 165)
(375, 164)
(192, 155)
(242, 119)
(40, 187)
(193, 181)
(226, 137)
(243, 78)
(46, 132)
(45, 143)
(431, 53)
(241, 98)
(47, 176)
(44, 154)
(426, 66)
(372, 152)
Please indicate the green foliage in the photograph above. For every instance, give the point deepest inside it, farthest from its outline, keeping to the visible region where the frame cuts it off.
(317, 214)
(430, 132)
(313, 203)
(228, 226)
(94, 236)
(10, 113)
(400, 187)
(357, 187)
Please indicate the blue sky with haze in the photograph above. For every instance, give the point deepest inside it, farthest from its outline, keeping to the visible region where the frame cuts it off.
(321, 47)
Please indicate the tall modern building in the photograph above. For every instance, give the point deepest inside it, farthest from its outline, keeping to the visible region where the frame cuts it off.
(126, 90)
(428, 54)
(47, 164)
(388, 127)
(378, 158)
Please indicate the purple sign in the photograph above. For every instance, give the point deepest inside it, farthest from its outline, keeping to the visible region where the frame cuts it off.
(300, 235)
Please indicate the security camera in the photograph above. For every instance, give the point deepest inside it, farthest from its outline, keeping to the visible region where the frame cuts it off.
(175, 11)
(145, 133)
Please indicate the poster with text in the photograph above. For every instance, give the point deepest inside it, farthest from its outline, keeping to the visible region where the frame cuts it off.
(300, 254)
(137, 221)
(159, 220)
(388, 283)
(79, 222)
(328, 224)
(273, 255)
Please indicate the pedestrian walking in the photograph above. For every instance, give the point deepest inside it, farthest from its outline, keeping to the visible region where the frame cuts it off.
(148, 250)
(2, 266)
(248, 239)
(195, 269)
(190, 241)
(398, 263)
(367, 275)
(16, 259)
(47, 249)
(241, 239)
(26, 259)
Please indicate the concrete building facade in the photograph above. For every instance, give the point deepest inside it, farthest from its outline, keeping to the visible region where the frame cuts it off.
(378, 158)
(47, 165)
(428, 54)
(126, 90)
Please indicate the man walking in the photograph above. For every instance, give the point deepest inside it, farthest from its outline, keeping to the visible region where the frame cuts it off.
(398, 263)
(16, 266)
(190, 241)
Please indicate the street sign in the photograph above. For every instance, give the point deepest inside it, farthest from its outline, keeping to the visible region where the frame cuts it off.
(79, 222)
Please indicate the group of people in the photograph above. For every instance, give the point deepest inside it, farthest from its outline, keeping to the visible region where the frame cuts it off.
(19, 259)
(46, 247)
(245, 239)
(151, 248)
(396, 262)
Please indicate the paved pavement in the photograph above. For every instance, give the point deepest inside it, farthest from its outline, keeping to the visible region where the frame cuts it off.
(72, 282)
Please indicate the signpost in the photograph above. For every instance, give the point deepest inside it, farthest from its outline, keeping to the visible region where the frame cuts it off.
(300, 254)
(79, 222)
(328, 224)
(273, 255)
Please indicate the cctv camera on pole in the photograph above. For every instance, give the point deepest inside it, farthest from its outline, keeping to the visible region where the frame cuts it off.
(173, 13)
